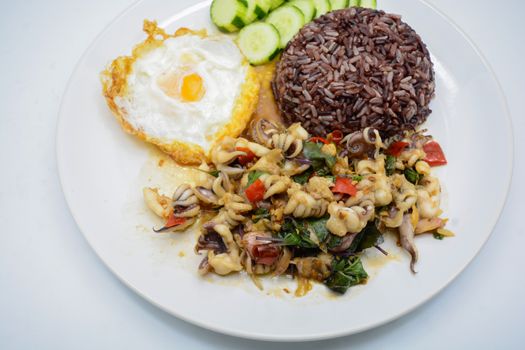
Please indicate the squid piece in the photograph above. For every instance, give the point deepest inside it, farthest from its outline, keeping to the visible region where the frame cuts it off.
(316, 268)
(224, 152)
(294, 167)
(289, 142)
(405, 194)
(220, 186)
(229, 261)
(156, 202)
(232, 214)
(319, 188)
(411, 156)
(406, 238)
(262, 130)
(358, 146)
(275, 184)
(255, 148)
(269, 163)
(345, 220)
(302, 205)
(428, 200)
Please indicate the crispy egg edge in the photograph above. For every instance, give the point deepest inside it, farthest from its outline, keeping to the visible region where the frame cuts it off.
(114, 79)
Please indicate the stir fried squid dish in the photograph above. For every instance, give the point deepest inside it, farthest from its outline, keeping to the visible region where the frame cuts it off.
(307, 124)
(285, 202)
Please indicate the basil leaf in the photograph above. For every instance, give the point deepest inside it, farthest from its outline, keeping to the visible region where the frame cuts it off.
(333, 241)
(253, 176)
(371, 236)
(411, 175)
(312, 151)
(303, 177)
(293, 233)
(319, 228)
(357, 178)
(367, 238)
(323, 170)
(438, 236)
(298, 240)
(261, 213)
(390, 164)
(345, 274)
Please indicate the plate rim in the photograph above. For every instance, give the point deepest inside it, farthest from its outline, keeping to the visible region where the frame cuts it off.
(508, 125)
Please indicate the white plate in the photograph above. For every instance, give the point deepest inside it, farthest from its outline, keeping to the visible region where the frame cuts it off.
(102, 171)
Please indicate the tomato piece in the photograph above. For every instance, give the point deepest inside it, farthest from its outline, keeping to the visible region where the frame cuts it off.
(337, 136)
(396, 148)
(260, 251)
(255, 192)
(434, 154)
(318, 139)
(344, 185)
(243, 160)
(265, 254)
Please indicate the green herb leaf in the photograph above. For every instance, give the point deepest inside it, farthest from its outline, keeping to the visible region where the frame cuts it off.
(312, 151)
(260, 213)
(331, 178)
(214, 173)
(357, 178)
(390, 164)
(345, 274)
(333, 241)
(412, 175)
(304, 176)
(367, 238)
(319, 228)
(370, 237)
(297, 232)
(253, 176)
(294, 233)
(298, 240)
(438, 236)
(321, 169)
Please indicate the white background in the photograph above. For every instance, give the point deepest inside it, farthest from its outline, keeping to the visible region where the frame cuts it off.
(56, 294)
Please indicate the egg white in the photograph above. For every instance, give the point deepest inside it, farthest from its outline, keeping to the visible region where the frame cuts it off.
(148, 108)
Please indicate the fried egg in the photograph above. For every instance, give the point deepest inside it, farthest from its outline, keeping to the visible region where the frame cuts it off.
(182, 92)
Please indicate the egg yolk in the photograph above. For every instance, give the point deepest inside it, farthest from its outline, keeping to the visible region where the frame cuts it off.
(188, 89)
(192, 88)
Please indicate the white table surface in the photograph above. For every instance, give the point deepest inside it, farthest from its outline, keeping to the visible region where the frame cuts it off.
(56, 294)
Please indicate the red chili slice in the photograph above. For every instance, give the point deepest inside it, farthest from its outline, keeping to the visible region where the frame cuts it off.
(344, 185)
(255, 192)
(396, 148)
(243, 160)
(172, 222)
(319, 139)
(337, 136)
(434, 154)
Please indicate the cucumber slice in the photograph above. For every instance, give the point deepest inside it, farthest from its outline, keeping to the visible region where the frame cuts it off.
(275, 4)
(354, 3)
(255, 11)
(321, 7)
(228, 15)
(307, 8)
(338, 4)
(288, 20)
(371, 4)
(259, 42)
(265, 5)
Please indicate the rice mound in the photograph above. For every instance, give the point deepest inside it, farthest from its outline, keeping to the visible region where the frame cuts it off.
(355, 68)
